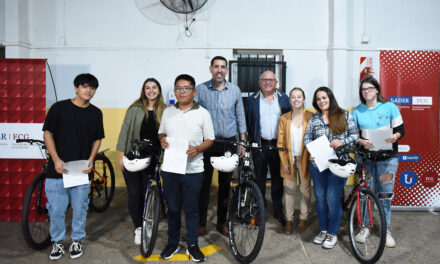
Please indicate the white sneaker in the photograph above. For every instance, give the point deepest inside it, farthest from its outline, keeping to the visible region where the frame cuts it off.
(330, 241)
(138, 235)
(362, 236)
(319, 239)
(390, 242)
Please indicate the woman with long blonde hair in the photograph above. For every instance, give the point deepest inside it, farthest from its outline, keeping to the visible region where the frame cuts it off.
(141, 121)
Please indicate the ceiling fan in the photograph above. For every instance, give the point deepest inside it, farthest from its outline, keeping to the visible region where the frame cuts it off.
(184, 7)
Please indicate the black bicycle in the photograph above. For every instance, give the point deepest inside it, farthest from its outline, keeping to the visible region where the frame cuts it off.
(35, 216)
(246, 210)
(154, 200)
(365, 216)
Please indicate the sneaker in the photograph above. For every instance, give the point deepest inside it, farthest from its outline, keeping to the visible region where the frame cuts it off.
(330, 241)
(319, 239)
(169, 251)
(195, 253)
(75, 250)
(57, 251)
(390, 242)
(138, 235)
(362, 236)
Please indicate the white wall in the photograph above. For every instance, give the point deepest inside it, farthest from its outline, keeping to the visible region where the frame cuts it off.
(123, 42)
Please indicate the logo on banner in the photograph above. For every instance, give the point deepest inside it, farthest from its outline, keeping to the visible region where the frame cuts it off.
(408, 179)
(422, 100)
(401, 100)
(409, 157)
(429, 179)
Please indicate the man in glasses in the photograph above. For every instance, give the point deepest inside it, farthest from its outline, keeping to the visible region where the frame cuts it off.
(263, 113)
(223, 101)
(187, 120)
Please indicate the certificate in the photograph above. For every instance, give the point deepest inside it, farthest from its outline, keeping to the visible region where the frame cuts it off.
(75, 175)
(377, 138)
(175, 157)
(321, 150)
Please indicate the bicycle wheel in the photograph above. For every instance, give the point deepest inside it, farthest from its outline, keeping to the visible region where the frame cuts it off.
(35, 216)
(367, 216)
(246, 222)
(102, 184)
(150, 221)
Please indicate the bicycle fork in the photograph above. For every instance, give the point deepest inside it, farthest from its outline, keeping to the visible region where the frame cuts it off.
(358, 202)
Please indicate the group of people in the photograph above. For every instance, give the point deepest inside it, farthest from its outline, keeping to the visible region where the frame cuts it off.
(214, 110)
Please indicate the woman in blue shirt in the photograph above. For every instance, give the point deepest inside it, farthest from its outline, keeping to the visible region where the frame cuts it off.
(338, 126)
(376, 113)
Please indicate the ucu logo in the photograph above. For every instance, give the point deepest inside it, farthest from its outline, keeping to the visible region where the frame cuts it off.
(408, 179)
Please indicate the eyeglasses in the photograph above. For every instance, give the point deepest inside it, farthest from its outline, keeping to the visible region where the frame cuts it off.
(368, 89)
(181, 89)
(268, 80)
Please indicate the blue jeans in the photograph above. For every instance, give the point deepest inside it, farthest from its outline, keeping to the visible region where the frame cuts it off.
(58, 198)
(376, 169)
(329, 190)
(182, 190)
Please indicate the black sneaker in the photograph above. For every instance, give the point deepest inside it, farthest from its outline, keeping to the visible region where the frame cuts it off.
(169, 251)
(57, 251)
(195, 253)
(75, 250)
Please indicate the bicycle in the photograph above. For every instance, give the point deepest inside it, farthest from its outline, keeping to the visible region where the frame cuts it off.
(153, 201)
(246, 210)
(35, 216)
(363, 211)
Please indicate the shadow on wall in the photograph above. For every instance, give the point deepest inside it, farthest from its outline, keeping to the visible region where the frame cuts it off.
(63, 76)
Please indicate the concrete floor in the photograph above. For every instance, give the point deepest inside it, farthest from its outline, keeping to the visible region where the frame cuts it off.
(110, 240)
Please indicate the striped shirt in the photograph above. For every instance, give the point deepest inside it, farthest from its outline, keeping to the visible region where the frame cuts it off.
(225, 107)
(194, 124)
(316, 127)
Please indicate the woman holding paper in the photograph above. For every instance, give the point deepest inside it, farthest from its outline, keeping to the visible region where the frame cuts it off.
(376, 114)
(294, 159)
(141, 121)
(338, 127)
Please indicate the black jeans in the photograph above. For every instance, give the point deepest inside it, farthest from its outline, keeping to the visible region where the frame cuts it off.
(224, 182)
(136, 183)
(182, 191)
(261, 160)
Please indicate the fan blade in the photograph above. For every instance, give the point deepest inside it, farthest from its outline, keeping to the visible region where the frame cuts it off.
(190, 4)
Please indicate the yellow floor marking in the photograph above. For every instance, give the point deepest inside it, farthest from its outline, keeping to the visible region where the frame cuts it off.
(208, 250)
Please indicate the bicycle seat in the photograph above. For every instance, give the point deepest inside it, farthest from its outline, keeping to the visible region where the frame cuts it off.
(225, 164)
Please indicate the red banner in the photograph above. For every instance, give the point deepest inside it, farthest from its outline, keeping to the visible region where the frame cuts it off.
(22, 100)
(411, 80)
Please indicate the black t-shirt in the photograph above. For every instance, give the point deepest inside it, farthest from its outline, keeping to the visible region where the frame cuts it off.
(74, 130)
(149, 130)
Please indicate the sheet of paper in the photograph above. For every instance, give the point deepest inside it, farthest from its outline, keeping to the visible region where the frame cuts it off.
(377, 138)
(321, 150)
(175, 157)
(75, 175)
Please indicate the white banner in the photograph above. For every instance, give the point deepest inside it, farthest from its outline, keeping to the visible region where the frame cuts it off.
(10, 132)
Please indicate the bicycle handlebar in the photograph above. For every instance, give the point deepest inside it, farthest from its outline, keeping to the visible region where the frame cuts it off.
(30, 141)
(248, 146)
(141, 143)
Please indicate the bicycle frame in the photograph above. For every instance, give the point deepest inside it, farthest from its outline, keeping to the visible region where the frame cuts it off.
(355, 194)
(155, 179)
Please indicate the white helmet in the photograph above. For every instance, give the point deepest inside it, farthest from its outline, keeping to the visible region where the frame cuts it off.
(136, 164)
(342, 168)
(225, 163)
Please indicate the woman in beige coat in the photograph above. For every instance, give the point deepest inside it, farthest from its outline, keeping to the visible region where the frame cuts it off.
(294, 159)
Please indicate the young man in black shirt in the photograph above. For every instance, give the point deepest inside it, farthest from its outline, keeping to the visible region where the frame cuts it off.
(73, 130)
